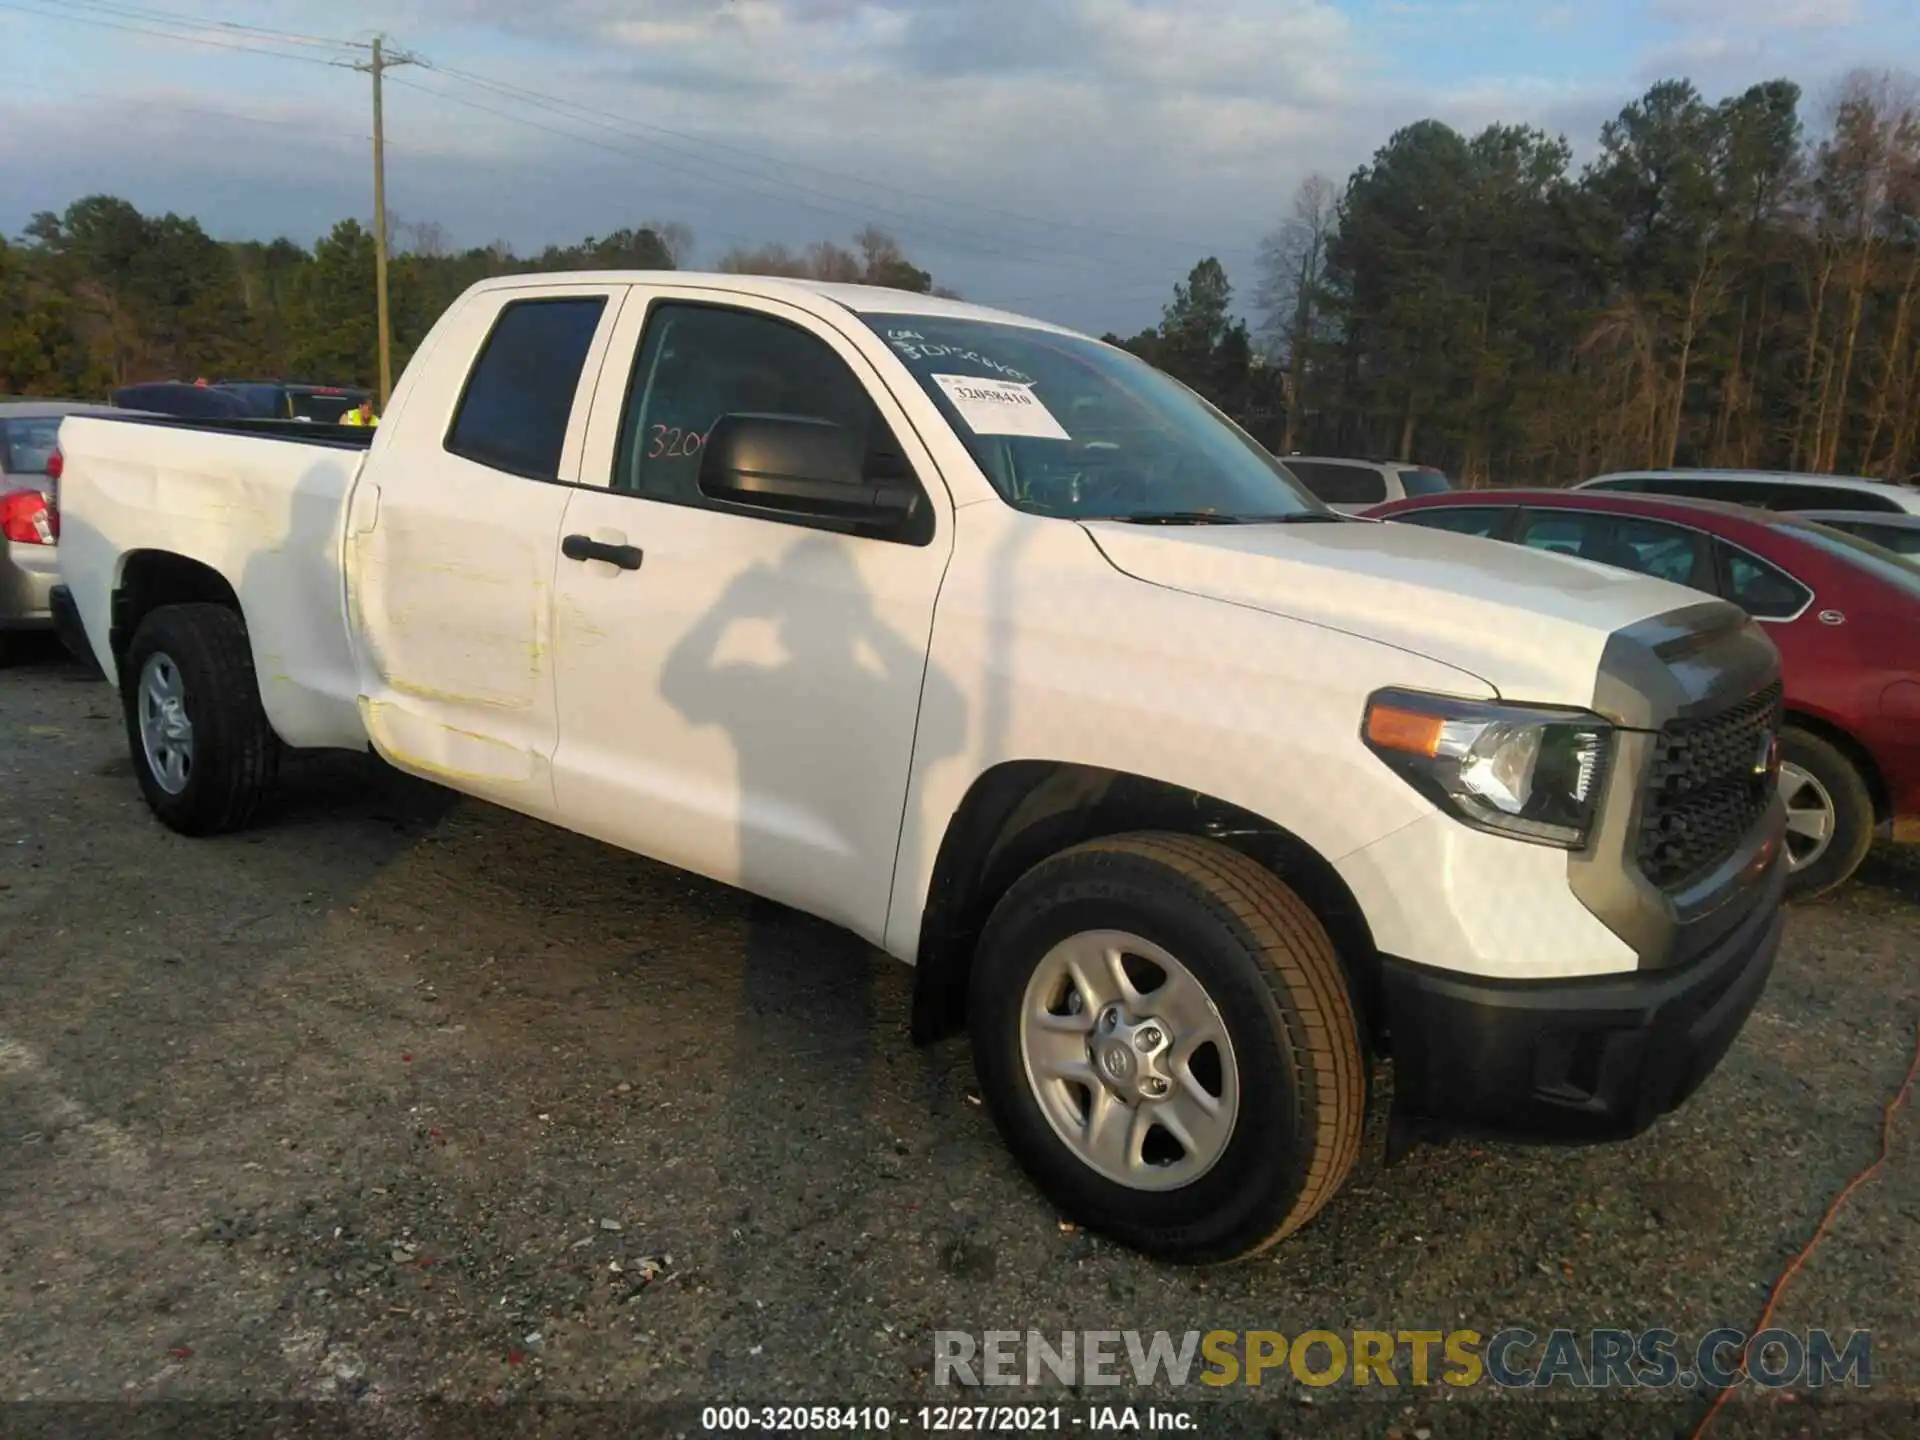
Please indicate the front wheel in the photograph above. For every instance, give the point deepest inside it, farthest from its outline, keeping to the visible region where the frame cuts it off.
(1829, 814)
(203, 751)
(1165, 1038)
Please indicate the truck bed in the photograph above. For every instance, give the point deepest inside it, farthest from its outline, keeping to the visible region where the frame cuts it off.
(260, 505)
(303, 432)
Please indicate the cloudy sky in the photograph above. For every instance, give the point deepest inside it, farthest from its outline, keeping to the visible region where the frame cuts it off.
(1071, 158)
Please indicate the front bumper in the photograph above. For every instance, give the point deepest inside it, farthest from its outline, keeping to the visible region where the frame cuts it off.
(1574, 1061)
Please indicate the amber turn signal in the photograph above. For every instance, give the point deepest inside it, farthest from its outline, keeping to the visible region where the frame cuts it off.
(1392, 728)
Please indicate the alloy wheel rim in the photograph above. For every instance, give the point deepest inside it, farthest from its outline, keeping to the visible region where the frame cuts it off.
(1129, 1060)
(1811, 816)
(166, 732)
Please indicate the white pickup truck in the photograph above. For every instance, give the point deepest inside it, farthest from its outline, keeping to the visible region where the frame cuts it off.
(1189, 798)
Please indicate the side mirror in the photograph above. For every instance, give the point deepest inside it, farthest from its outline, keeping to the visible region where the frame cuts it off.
(797, 465)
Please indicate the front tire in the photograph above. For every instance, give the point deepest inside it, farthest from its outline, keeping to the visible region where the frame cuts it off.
(1829, 814)
(1164, 1037)
(202, 749)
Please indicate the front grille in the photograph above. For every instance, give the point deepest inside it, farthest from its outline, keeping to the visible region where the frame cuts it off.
(1706, 789)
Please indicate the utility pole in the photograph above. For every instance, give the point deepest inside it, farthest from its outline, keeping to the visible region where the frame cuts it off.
(380, 62)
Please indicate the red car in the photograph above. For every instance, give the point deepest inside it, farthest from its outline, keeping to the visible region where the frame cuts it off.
(1844, 612)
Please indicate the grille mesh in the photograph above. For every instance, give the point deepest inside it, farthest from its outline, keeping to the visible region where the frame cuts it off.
(1703, 795)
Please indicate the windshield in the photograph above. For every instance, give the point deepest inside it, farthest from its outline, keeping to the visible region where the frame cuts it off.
(26, 444)
(1896, 570)
(1424, 480)
(1069, 427)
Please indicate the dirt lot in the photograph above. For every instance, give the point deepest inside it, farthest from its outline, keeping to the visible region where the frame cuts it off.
(401, 1097)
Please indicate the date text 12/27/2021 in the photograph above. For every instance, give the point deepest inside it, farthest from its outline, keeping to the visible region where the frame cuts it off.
(947, 1419)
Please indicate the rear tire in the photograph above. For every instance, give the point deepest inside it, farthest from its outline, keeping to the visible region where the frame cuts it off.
(202, 749)
(1281, 1105)
(1822, 788)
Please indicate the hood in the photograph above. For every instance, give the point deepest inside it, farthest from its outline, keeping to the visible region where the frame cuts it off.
(1529, 623)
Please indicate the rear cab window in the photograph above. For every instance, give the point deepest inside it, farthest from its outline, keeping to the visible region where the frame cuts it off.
(518, 402)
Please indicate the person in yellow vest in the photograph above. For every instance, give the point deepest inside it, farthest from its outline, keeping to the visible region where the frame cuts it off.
(361, 414)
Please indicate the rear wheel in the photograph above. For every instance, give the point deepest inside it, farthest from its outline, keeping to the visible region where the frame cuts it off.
(1164, 1037)
(202, 749)
(1829, 814)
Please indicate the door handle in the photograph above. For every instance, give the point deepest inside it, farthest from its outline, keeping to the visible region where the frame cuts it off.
(585, 547)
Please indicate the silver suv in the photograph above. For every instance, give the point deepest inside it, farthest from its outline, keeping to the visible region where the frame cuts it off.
(1350, 486)
(1766, 489)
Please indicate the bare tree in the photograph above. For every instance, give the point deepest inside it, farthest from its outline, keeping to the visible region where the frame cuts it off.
(1293, 263)
(764, 260)
(676, 237)
(427, 239)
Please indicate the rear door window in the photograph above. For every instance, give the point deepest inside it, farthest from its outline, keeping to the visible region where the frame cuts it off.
(519, 397)
(1339, 484)
(1764, 591)
(1626, 542)
(1492, 522)
(1558, 532)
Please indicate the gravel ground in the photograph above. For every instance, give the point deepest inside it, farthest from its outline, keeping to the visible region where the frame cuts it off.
(401, 1098)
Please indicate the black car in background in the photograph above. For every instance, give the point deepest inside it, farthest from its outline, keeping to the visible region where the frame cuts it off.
(244, 400)
(175, 397)
(294, 400)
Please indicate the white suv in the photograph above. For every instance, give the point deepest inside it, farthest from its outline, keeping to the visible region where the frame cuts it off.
(1767, 489)
(1350, 486)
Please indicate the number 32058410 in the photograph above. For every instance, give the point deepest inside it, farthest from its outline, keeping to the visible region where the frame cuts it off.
(670, 442)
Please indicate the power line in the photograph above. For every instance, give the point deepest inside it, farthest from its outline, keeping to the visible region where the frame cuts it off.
(552, 102)
(583, 140)
(839, 206)
(239, 116)
(937, 227)
(197, 23)
(202, 40)
(992, 244)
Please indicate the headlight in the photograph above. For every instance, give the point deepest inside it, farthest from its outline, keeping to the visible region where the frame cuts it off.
(1519, 771)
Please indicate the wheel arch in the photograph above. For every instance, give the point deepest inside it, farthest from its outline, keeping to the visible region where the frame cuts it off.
(1020, 812)
(151, 578)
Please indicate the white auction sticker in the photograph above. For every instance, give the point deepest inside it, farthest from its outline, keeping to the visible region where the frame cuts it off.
(1000, 407)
